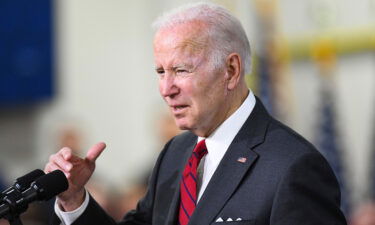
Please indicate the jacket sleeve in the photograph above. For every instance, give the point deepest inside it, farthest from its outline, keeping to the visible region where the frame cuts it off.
(308, 194)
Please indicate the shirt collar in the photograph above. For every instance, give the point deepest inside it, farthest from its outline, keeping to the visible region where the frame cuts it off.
(218, 142)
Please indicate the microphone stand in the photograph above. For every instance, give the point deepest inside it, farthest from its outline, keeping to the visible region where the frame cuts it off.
(43, 188)
(15, 210)
(15, 220)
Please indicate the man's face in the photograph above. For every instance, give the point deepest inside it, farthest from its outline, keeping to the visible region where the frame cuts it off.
(194, 91)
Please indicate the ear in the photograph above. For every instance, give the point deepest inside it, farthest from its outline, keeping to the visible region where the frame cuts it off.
(234, 67)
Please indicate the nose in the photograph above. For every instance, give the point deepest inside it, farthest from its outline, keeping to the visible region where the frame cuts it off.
(167, 86)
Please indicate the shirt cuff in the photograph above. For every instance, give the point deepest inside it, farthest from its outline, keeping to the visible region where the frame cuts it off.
(67, 218)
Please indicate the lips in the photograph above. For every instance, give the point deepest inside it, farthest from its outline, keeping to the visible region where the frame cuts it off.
(176, 109)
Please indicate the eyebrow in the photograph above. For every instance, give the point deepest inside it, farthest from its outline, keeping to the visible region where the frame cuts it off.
(158, 68)
(189, 66)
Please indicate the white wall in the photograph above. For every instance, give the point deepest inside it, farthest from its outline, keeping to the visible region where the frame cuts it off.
(107, 82)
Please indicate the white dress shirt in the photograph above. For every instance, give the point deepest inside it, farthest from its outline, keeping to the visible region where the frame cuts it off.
(67, 218)
(217, 144)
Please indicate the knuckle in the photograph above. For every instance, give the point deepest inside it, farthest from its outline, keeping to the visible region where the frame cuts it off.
(48, 167)
(65, 152)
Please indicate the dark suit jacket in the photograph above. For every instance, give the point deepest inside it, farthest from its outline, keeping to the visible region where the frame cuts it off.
(284, 181)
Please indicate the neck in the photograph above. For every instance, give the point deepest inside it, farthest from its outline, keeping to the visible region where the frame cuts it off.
(235, 100)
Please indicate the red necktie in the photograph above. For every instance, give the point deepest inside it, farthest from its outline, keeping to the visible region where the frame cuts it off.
(188, 186)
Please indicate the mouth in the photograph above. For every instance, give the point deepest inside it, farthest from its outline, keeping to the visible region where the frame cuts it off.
(177, 109)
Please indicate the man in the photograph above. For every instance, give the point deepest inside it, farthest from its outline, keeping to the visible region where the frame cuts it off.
(255, 171)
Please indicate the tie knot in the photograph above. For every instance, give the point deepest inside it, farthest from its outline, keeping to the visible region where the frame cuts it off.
(200, 149)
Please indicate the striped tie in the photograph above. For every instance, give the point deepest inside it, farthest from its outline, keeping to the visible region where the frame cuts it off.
(188, 186)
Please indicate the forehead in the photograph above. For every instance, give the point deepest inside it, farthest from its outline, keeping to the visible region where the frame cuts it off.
(187, 37)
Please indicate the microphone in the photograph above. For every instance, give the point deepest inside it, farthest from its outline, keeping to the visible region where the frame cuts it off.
(22, 183)
(43, 188)
(47, 186)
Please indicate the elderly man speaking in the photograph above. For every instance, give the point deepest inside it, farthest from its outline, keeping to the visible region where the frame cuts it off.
(235, 164)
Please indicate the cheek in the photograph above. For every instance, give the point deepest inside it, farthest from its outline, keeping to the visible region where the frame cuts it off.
(187, 87)
(213, 97)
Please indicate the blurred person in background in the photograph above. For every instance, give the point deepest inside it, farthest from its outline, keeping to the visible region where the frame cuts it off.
(70, 136)
(128, 198)
(364, 214)
(166, 128)
(254, 170)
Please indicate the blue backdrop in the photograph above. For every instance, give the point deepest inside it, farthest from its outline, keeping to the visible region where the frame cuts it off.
(26, 51)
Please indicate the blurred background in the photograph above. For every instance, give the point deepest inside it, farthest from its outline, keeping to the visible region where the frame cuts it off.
(73, 73)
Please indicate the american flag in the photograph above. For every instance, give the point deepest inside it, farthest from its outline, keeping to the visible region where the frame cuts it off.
(265, 84)
(328, 142)
(241, 159)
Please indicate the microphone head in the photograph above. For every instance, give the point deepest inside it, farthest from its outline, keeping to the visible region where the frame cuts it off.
(50, 185)
(23, 183)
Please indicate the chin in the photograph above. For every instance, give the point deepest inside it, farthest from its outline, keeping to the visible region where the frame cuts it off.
(183, 125)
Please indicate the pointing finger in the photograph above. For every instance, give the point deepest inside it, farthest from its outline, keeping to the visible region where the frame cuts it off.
(94, 152)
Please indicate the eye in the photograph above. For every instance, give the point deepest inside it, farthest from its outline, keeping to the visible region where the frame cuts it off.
(181, 71)
(160, 71)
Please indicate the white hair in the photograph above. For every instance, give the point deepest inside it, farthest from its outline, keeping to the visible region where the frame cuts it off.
(225, 31)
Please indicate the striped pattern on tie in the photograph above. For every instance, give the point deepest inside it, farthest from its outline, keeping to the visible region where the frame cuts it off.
(188, 186)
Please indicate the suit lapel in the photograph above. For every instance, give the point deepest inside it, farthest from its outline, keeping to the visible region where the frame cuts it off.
(227, 177)
(232, 169)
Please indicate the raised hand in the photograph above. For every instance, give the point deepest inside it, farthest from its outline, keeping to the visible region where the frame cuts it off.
(77, 170)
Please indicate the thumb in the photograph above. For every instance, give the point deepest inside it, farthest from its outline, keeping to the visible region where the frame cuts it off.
(94, 152)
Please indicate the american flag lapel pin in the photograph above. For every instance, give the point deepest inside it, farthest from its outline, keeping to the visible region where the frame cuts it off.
(241, 159)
